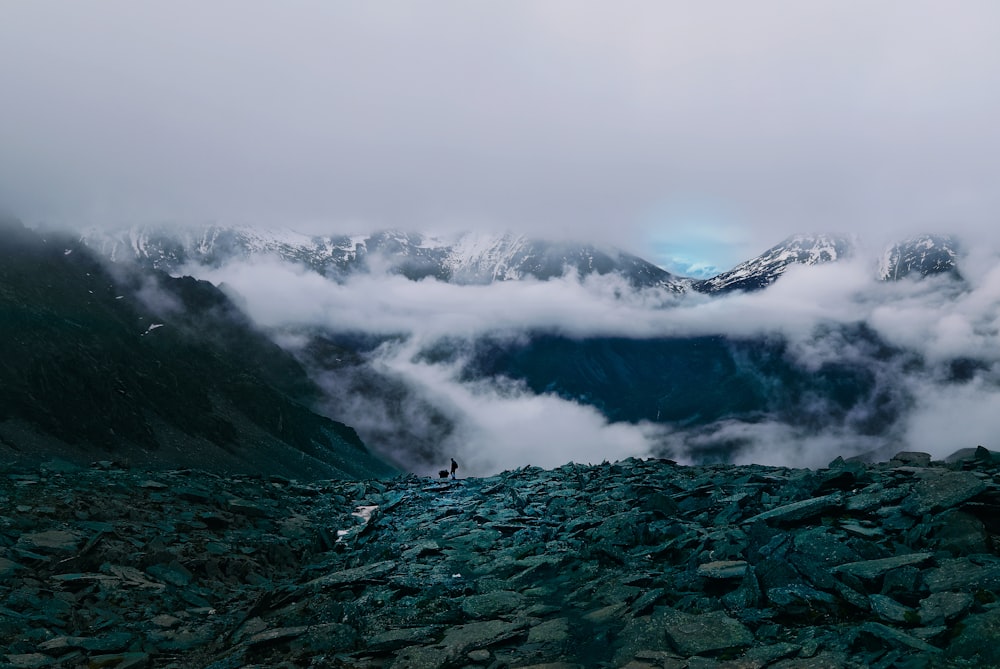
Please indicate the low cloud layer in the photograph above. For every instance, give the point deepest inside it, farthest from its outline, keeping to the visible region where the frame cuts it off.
(498, 424)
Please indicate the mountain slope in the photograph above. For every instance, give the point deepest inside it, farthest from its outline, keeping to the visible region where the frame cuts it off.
(760, 272)
(146, 368)
(923, 255)
(468, 258)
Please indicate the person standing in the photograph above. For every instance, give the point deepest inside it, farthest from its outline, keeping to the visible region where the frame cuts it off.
(454, 467)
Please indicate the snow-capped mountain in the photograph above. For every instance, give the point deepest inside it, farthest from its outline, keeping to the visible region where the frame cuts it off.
(765, 269)
(469, 258)
(923, 255)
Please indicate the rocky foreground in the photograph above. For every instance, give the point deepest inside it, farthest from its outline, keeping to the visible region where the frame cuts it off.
(635, 564)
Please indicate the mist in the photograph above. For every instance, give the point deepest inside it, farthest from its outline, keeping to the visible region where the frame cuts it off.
(721, 128)
(430, 329)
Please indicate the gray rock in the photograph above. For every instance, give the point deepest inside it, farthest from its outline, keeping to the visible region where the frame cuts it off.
(943, 607)
(889, 609)
(707, 633)
(555, 631)
(493, 604)
(895, 638)
(796, 511)
(375, 571)
(872, 569)
(50, 541)
(959, 533)
(942, 490)
(29, 660)
(912, 458)
(723, 569)
(976, 644)
(392, 640)
(963, 574)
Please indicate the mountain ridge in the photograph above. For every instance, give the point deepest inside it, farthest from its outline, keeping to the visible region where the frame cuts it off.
(483, 257)
(144, 367)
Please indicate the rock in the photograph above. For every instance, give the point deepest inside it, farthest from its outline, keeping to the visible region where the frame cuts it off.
(942, 490)
(555, 631)
(963, 574)
(463, 638)
(120, 660)
(796, 511)
(723, 569)
(29, 660)
(50, 542)
(872, 569)
(890, 610)
(911, 458)
(896, 639)
(943, 607)
(363, 574)
(8, 567)
(959, 533)
(393, 640)
(492, 604)
(247, 508)
(976, 643)
(479, 656)
(707, 633)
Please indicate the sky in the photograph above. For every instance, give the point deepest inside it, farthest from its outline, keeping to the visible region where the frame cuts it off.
(697, 134)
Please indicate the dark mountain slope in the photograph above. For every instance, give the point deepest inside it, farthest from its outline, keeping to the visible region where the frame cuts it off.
(695, 381)
(921, 256)
(150, 369)
(760, 272)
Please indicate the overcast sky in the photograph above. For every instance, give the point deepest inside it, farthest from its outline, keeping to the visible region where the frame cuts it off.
(705, 130)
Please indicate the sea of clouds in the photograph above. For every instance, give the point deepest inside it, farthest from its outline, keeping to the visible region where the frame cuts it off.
(496, 424)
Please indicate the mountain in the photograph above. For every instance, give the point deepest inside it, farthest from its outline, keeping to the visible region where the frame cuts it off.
(144, 368)
(466, 258)
(760, 272)
(923, 255)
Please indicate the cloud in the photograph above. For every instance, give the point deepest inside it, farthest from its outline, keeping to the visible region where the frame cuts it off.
(501, 425)
(916, 331)
(585, 119)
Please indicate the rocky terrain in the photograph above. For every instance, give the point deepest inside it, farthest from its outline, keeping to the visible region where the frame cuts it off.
(634, 564)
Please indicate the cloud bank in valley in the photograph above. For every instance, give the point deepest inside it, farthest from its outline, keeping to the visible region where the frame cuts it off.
(500, 424)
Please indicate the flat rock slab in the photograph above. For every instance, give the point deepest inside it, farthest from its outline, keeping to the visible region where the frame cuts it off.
(942, 607)
(52, 541)
(492, 604)
(723, 569)
(871, 569)
(936, 492)
(807, 508)
(707, 633)
(392, 640)
(963, 574)
(976, 644)
(362, 574)
(898, 639)
(464, 638)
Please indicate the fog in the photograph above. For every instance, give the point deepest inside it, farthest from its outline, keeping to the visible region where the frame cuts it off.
(499, 424)
(701, 132)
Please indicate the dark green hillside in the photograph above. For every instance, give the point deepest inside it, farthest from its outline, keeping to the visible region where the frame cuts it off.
(149, 369)
(695, 381)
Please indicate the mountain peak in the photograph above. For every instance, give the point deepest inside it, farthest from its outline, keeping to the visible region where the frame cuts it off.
(760, 272)
(922, 255)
